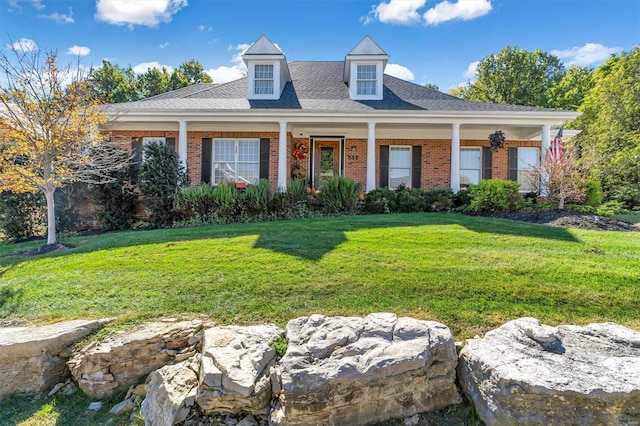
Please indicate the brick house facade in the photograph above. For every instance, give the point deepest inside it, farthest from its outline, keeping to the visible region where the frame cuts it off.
(349, 117)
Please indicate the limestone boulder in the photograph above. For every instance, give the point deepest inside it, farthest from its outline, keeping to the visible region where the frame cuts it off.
(33, 359)
(527, 373)
(357, 371)
(170, 393)
(234, 376)
(105, 367)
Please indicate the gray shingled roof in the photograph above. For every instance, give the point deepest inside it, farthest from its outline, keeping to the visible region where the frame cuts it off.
(315, 86)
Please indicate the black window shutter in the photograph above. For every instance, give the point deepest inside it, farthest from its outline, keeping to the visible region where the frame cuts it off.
(487, 162)
(384, 166)
(205, 155)
(416, 166)
(513, 164)
(265, 146)
(171, 142)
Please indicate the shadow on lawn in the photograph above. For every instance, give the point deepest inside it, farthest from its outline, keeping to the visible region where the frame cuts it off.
(312, 238)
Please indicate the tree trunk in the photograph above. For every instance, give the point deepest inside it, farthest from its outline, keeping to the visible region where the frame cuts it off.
(561, 203)
(51, 215)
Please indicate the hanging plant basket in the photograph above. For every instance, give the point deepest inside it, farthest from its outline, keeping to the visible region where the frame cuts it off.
(496, 140)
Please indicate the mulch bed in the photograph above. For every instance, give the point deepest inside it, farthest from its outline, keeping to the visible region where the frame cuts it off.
(48, 248)
(568, 219)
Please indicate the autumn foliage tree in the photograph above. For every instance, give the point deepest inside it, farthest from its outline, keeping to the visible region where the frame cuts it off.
(49, 128)
(563, 179)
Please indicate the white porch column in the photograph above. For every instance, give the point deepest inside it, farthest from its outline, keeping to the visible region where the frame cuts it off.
(182, 142)
(282, 156)
(455, 157)
(371, 156)
(546, 141)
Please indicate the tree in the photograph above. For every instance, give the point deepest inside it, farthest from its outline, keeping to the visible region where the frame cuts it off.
(154, 82)
(50, 123)
(112, 84)
(611, 127)
(431, 86)
(569, 93)
(189, 73)
(563, 179)
(515, 76)
(161, 176)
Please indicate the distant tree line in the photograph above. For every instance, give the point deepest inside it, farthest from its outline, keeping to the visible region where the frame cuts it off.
(112, 83)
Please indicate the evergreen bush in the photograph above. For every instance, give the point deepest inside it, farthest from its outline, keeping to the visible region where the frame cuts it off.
(380, 200)
(161, 175)
(21, 215)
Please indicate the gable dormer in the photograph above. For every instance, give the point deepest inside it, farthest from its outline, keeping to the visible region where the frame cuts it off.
(267, 70)
(364, 70)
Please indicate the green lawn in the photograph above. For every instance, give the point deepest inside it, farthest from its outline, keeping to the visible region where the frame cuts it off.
(629, 217)
(471, 273)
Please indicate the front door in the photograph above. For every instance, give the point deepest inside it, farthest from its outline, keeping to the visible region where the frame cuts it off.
(326, 161)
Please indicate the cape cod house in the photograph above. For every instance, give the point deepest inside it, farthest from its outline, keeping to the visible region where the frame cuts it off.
(319, 119)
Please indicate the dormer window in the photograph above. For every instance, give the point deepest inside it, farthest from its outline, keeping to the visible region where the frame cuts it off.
(366, 80)
(363, 71)
(263, 83)
(267, 70)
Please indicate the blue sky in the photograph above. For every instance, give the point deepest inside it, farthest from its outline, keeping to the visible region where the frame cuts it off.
(428, 41)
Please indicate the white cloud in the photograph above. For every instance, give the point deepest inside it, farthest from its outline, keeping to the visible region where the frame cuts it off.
(403, 12)
(60, 17)
(399, 71)
(78, 51)
(145, 66)
(590, 53)
(470, 73)
(223, 74)
(24, 45)
(463, 9)
(14, 4)
(136, 12)
(204, 27)
(163, 45)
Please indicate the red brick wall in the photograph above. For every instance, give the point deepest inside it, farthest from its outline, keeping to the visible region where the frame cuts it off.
(436, 154)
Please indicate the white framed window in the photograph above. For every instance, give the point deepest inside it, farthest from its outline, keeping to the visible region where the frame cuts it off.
(236, 160)
(366, 80)
(528, 160)
(470, 165)
(263, 79)
(399, 166)
(148, 140)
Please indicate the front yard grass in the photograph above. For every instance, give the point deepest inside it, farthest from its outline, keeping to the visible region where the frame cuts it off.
(470, 273)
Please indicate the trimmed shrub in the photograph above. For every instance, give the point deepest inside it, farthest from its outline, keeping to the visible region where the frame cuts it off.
(493, 195)
(257, 199)
(380, 200)
(226, 200)
(411, 200)
(340, 195)
(294, 200)
(21, 215)
(161, 175)
(439, 200)
(195, 201)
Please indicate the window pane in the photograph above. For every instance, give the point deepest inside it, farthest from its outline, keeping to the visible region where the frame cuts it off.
(263, 87)
(366, 72)
(469, 176)
(248, 173)
(469, 158)
(399, 177)
(366, 87)
(249, 151)
(224, 150)
(223, 172)
(527, 161)
(400, 157)
(264, 71)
